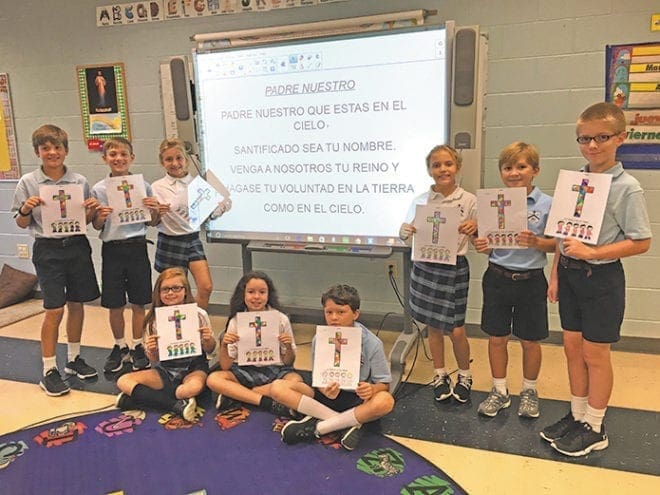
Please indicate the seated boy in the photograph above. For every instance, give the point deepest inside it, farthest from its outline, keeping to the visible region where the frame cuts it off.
(331, 409)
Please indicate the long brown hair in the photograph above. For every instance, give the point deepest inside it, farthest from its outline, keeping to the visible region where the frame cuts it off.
(156, 301)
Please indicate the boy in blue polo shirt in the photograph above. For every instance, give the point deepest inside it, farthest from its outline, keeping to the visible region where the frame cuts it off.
(126, 269)
(515, 287)
(589, 283)
(63, 264)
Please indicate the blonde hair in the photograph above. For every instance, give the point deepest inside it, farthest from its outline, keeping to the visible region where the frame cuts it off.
(169, 143)
(512, 153)
(444, 147)
(605, 111)
(49, 133)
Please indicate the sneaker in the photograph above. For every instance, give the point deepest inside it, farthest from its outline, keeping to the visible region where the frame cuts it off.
(494, 403)
(224, 403)
(80, 368)
(279, 409)
(116, 359)
(303, 430)
(52, 383)
(351, 437)
(187, 409)
(125, 402)
(462, 389)
(442, 387)
(139, 358)
(581, 440)
(557, 430)
(529, 404)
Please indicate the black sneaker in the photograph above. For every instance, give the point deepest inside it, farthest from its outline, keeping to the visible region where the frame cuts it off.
(139, 358)
(581, 440)
(116, 359)
(52, 383)
(187, 409)
(351, 437)
(303, 430)
(442, 387)
(224, 403)
(462, 388)
(125, 402)
(557, 430)
(80, 368)
(279, 409)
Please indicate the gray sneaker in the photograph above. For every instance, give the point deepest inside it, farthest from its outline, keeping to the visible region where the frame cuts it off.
(493, 403)
(529, 404)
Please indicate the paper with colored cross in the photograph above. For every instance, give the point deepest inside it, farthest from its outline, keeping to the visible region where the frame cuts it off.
(436, 239)
(501, 216)
(178, 331)
(203, 199)
(337, 352)
(258, 344)
(62, 211)
(125, 195)
(578, 206)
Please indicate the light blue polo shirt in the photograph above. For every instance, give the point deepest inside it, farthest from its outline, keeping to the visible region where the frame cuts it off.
(626, 216)
(538, 209)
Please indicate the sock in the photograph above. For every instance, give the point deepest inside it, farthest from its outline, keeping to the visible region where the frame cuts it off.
(339, 421)
(155, 399)
(137, 342)
(265, 403)
(578, 407)
(500, 385)
(73, 350)
(440, 372)
(121, 342)
(49, 363)
(529, 384)
(465, 373)
(311, 407)
(594, 418)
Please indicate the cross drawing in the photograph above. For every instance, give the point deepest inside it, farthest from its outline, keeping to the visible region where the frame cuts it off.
(62, 197)
(126, 187)
(436, 220)
(257, 324)
(582, 190)
(338, 342)
(202, 194)
(176, 318)
(500, 204)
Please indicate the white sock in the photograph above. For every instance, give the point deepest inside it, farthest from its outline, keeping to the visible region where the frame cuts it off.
(73, 350)
(465, 373)
(500, 385)
(339, 421)
(594, 418)
(121, 342)
(529, 384)
(578, 407)
(311, 407)
(137, 342)
(49, 363)
(440, 372)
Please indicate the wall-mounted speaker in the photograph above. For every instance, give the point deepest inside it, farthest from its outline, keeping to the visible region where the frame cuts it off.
(178, 103)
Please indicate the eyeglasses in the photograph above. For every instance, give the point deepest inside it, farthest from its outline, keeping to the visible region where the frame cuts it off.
(601, 138)
(175, 288)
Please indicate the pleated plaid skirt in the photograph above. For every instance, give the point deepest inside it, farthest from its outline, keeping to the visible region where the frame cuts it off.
(438, 293)
(178, 250)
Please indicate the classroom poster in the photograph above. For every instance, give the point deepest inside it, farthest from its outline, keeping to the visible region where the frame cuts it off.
(203, 199)
(502, 215)
(436, 239)
(9, 168)
(178, 331)
(578, 206)
(258, 344)
(62, 210)
(125, 195)
(337, 352)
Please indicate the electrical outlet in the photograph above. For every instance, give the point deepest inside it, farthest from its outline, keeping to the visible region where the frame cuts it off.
(23, 251)
(392, 266)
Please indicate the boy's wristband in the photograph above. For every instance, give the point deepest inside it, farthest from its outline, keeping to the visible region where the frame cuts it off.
(20, 211)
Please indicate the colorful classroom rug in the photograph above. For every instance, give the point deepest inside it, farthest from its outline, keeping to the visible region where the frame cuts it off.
(238, 451)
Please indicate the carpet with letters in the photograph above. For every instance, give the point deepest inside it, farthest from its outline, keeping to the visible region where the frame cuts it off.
(237, 451)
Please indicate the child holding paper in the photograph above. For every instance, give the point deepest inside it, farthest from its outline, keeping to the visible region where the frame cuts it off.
(63, 264)
(332, 409)
(169, 385)
(255, 291)
(126, 269)
(438, 293)
(589, 283)
(514, 287)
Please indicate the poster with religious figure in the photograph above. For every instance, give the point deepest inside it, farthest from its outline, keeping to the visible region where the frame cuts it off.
(436, 239)
(578, 206)
(125, 195)
(501, 216)
(203, 199)
(258, 344)
(62, 211)
(178, 331)
(337, 353)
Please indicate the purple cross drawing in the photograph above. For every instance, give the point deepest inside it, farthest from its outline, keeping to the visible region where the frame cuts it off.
(62, 197)
(582, 191)
(126, 187)
(176, 318)
(338, 342)
(500, 204)
(258, 324)
(436, 220)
